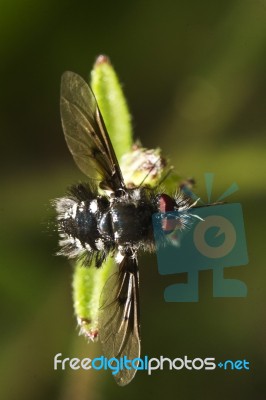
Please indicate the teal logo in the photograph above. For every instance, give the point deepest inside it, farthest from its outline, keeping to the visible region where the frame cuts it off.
(213, 240)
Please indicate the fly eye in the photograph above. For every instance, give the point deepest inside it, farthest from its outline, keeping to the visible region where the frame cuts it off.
(165, 203)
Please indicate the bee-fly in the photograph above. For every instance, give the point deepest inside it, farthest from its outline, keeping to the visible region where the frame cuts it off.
(118, 222)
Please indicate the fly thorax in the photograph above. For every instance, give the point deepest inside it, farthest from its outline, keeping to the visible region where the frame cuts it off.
(132, 218)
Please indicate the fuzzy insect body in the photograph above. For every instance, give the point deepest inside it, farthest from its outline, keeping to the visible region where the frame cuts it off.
(93, 225)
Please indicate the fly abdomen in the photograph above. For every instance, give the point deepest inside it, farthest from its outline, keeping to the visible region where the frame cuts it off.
(83, 225)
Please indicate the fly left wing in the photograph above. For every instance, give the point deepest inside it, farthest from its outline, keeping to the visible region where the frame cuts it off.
(119, 328)
(86, 134)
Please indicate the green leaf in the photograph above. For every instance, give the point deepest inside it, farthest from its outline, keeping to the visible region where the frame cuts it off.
(113, 105)
(89, 281)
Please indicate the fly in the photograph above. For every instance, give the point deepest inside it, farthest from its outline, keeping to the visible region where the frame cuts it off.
(93, 225)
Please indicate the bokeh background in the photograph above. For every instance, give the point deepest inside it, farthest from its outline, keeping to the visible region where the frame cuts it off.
(194, 75)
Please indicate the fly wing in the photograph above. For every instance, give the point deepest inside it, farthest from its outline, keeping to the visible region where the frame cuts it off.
(86, 134)
(119, 328)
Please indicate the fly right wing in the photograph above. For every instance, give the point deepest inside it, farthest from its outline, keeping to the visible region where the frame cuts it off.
(86, 134)
(119, 328)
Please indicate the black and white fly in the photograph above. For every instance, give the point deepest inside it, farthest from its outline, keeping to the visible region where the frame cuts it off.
(93, 225)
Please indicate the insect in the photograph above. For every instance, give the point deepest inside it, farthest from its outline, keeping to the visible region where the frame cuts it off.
(117, 221)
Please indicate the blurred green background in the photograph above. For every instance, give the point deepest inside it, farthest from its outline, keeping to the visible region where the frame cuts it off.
(194, 75)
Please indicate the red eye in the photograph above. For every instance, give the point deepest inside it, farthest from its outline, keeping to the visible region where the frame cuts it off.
(166, 203)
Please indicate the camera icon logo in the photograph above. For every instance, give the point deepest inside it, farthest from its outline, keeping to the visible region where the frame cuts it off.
(214, 240)
(225, 228)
